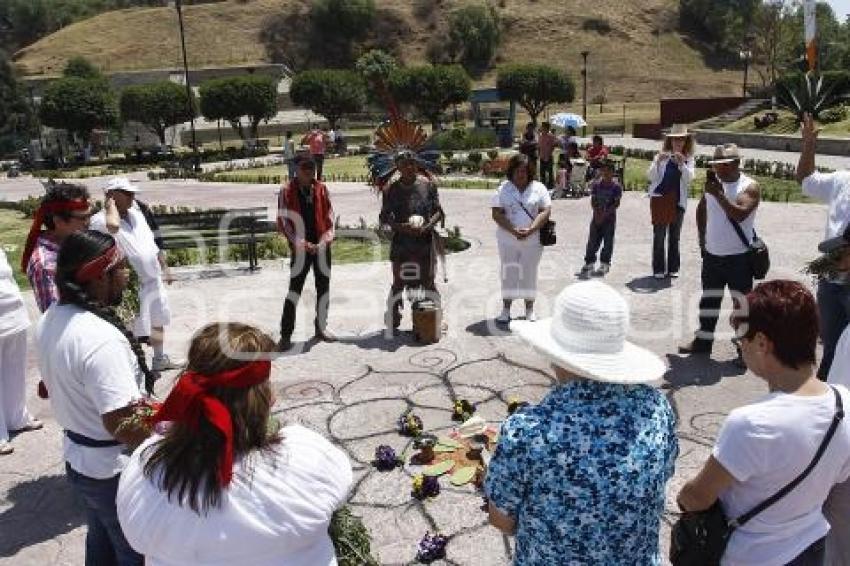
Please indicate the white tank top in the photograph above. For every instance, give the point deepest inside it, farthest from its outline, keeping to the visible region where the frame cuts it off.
(720, 237)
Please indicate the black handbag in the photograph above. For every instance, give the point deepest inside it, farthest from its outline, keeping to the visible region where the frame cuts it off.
(548, 237)
(758, 255)
(700, 538)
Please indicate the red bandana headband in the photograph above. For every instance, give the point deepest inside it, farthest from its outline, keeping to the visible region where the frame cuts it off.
(98, 266)
(38, 219)
(190, 399)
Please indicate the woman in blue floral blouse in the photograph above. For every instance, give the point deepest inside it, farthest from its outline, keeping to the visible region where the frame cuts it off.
(580, 478)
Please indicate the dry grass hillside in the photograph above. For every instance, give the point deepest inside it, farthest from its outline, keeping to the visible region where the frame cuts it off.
(642, 57)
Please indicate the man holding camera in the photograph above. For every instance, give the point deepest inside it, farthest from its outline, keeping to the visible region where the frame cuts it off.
(725, 219)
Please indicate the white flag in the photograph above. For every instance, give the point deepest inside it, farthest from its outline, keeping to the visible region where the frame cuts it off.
(810, 23)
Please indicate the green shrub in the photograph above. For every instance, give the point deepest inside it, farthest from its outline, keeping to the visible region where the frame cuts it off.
(835, 114)
(464, 138)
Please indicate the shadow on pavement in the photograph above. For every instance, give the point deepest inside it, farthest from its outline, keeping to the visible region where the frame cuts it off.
(381, 340)
(697, 369)
(41, 509)
(648, 284)
(488, 327)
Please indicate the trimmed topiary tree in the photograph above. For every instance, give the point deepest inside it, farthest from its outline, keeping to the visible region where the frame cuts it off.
(534, 87)
(331, 93)
(158, 106)
(431, 89)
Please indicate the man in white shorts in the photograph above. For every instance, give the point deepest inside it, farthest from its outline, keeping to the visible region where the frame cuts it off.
(126, 223)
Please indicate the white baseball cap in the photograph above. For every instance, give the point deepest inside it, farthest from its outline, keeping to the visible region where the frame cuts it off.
(120, 184)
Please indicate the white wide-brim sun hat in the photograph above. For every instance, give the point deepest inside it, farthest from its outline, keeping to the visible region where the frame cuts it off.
(120, 184)
(587, 336)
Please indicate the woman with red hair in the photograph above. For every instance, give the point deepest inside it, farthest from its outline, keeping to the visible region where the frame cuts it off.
(765, 446)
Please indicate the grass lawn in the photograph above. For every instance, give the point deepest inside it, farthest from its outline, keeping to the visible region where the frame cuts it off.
(787, 125)
(14, 228)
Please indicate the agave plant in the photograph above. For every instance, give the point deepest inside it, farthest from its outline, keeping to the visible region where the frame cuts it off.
(811, 94)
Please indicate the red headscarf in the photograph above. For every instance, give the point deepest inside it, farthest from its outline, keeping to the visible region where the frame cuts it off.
(47, 208)
(98, 266)
(190, 399)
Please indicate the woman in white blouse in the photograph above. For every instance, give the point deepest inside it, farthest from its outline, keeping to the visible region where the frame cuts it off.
(520, 208)
(223, 486)
(670, 175)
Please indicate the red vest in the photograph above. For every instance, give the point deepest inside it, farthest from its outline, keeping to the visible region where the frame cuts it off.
(322, 208)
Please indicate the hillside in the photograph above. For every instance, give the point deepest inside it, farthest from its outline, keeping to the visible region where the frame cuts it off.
(633, 61)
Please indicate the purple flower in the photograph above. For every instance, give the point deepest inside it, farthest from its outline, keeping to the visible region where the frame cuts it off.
(431, 547)
(409, 424)
(385, 458)
(425, 487)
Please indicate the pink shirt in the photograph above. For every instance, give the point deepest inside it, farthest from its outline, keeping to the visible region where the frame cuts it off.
(316, 141)
(546, 143)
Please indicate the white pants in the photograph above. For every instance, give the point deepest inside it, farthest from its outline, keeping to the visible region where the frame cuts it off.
(837, 511)
(519, 262)
(13, 372)
(154, 310)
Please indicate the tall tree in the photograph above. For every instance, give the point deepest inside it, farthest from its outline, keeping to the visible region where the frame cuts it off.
(534, 87)
(79, 106)
(16, 119)
(231, 98)
(158, 106)
(474, 35)
(431, 89)
(332, 93)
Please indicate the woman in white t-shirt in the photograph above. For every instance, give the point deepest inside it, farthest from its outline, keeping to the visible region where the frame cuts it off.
(13, 359)
(765, 445)
(222, 485)
(520, 207)
(93, 368)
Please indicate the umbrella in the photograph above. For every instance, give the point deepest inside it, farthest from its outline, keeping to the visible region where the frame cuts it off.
(564, 119)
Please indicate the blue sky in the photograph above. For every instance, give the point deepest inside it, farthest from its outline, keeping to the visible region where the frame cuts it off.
(841, 8)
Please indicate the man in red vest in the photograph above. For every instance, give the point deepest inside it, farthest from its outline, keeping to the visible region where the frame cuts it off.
(306, 219)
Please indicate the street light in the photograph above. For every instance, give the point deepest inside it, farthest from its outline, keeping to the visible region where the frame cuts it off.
(179, 5)
(584, 55)
(745, 55)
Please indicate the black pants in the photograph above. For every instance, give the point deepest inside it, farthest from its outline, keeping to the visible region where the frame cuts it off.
(547, 175)
(814, 555)
(319, 158)
(601, 234)
(300, 264)
(718, 273)
(671, 233)
(414, 272)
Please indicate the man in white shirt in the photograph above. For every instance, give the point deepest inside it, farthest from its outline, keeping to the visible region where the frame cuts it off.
(731, 198)
(833, 189)
(93, 369)
(128, 226)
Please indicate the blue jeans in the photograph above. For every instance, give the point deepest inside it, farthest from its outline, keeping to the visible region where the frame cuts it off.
(834, 307)
(601, 235)
(105, 542)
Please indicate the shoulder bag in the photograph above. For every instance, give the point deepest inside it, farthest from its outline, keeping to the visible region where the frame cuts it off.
(700, 538)
(757, 253)
(548, 237)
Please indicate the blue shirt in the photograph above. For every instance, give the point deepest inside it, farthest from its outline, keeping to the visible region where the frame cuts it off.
(583, 474)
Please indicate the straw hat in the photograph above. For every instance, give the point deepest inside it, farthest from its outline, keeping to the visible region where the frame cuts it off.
(587, 336)
(726, 153)
(678, 131)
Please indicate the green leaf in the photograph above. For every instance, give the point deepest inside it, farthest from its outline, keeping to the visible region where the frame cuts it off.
(463, 476)
(439, 469)
(444, 448)
(446, 441)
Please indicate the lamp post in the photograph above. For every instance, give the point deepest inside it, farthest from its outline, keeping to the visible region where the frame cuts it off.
(179, 5)
(745, 55)
(584, 55)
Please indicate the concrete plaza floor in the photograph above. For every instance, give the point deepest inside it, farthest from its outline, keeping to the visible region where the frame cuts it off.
(353, 390)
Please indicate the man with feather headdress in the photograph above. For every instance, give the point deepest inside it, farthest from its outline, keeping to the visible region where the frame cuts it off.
(410, 209)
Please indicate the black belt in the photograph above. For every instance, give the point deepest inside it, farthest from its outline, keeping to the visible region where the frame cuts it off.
(78, 438)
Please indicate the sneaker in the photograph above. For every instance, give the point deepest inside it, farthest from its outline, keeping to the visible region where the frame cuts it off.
(6, 448)
(604, 268)
(504, 318)
(659, 276)
(674, 274)
(530, 316)
(587, 269)
(163, 363)
(284, 345)
(33, 424)
(696, 346)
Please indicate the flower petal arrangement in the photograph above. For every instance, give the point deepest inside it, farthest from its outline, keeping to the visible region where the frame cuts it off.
(409, 424)
(386, 458)
(431, 548)
(462, 410)
(424, 486)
